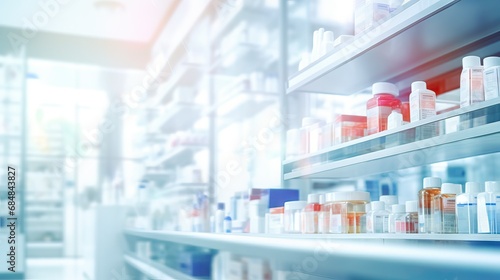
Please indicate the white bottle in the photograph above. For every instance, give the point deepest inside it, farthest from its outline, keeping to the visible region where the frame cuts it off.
(471, 81)
(394, 120)
(219, 217)
(422, 102)
(389, 200)
(488, 214)
(377, 220)
(491, 77)
(326, 43)
(398, 213)
(467, 208)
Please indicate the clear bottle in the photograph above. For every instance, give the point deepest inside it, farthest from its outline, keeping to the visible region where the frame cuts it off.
(471, 81)
(467, 208)
(491, 77)
(411, 218)
(292, 218)
(444, 209)
(380, 106)
(396, 217)
(346, 211)
(377, 220)
(389, 200)
(432, 187)
(310, 218)
(219, 217)
(488, 214)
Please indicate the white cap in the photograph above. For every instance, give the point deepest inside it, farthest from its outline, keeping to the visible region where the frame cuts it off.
(383, 87)
(492, 186)
(419, 85)
(377, 205)
(432, 182)
(328, 36)
(322, 199)
(348, 196)
(449, 188)
(472, 187)
(389, 199)
(295, 205)
(309, 121)
(313, 198)
(471, 61)
(491, 61)
(411, 206)
(398, 208)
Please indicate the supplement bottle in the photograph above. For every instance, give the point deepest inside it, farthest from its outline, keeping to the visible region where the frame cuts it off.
(491, 77)
(377, 220)
(422, 102)
(467, 208)
(347, 211)
(380, 106)
(488, 212)
(397, 218)
(471, 81)
(432, 187)
(411, 218)
(444, 209)
(311, 214)
(292, 218)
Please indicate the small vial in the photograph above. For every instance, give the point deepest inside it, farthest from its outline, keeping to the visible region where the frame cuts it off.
(467, 208)
(397, 218)
(378, 218)
(311, 214)
(444, 209)
(432, 187)
(411, 216)
(389, 200)
(488, 214)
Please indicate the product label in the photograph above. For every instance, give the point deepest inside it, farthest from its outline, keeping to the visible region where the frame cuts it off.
(467, 217)
(422, 106)
(492, 83)
(471, 87)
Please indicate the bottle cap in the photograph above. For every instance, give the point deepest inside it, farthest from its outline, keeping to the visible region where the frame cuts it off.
(389, 199)
(221, 206)
(491, 61)
(419, 85)
(471, 61)
(348, 196)
(313, 198)
(398, 208)
(382, 87)
(472, 187)
(377, 205)
(449, 188)
(432, 182)
(411, 206)
(295, 205)
(492, 186)
(307, 121)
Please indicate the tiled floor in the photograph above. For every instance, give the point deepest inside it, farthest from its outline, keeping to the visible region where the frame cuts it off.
(54, 269)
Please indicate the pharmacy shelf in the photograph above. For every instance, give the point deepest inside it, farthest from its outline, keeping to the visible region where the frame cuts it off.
(236, 61)
(402, 148)
(185, 74)
(425, 257)
(423, 41)
(179, 116)
(155, 270)
(178, 156)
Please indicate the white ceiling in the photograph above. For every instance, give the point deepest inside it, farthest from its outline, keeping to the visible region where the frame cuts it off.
(137, 22)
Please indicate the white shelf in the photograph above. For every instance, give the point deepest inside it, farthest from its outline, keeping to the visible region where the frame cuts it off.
(385, 151)
(155, 270)
(417, 256)
(424, 41)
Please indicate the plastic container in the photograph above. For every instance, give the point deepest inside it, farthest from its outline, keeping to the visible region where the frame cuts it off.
(432, 187)
(389, 200)
(397, 218)
(311, 214)
(377, 220)
(346, 211)
(411, 217)
(422, 102)
(380, 106)
(348, 127)
(471, 81)
(467, 208)
(488, 214)
(274, 220)
(491, 77)
(292, 218)
(444, 209)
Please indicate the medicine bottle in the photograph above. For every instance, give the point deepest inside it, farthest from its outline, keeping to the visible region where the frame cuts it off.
(491, 77)
(467, 208)
(471, 81)
(411, 218)
(293, 216)
(380, 106)
(488, 214)
(422, 102)
(377, 220)
(397, 218)
(311, 213)
(444, 209)
(432, 187)
(347, 211)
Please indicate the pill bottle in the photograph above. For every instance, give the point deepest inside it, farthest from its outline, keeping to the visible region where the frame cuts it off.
(396, 218)
(411, 218)
(310, 214)
(422, 102)
(380, 106)
(488, 214)
(491, 77)
(471, 81)
(467, 208)
(347, 211)
(292, 218)
(444, 209)
(432, 187)
(377, 220)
